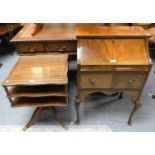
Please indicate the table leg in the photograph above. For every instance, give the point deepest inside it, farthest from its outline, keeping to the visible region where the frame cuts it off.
(153, 96)
(120, 95)
(136, 106)
(34, 117)
(57, 117)
(77, 107)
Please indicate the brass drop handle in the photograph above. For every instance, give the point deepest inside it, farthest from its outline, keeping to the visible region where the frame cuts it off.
(64, 48)
(33, 49)
(59, 49)
(130, 82)
(92, 81)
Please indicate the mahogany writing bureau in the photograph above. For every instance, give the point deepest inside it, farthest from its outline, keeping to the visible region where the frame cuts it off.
(39, 81)
(112, 59)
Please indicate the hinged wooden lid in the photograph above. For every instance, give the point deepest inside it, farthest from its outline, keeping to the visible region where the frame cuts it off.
(112, 52)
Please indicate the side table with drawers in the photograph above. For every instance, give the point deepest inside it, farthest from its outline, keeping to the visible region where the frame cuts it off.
(51, 38)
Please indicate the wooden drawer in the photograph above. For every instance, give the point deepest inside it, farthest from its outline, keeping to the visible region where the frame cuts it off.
(30, 47)
(128, 80)
(95, 80)
(61, 47)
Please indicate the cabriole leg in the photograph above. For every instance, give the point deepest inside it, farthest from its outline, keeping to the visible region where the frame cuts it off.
(137, 104)
(120, 95)
(77, 107)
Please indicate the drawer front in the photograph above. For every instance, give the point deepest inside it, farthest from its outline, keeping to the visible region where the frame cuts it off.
(23, 48)
(95, 80)
(128, 80)
(61, 47)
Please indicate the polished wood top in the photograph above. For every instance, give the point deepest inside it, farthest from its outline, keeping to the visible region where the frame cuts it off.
(49, 32)
(39, 69)
(112, 52)
(110, 31)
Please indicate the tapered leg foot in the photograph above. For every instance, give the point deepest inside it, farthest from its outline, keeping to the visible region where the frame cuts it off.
(77, 107)
(34, 117)
(152, 95)
(58, 118)
(136, 106)
(120, 95)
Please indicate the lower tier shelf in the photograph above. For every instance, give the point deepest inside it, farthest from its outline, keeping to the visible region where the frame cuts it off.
(37, 91)
(39, 102)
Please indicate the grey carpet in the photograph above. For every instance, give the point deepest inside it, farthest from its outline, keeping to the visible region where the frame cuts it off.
(96, 111)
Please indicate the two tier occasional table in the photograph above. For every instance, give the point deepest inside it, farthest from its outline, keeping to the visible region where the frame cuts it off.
(39, 81)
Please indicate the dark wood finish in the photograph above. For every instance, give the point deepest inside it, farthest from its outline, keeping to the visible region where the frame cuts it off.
(7, 27)
(38, 112)
(39, 81)
(58, 118)
(37, 91)
(112, 59)
(34, 118)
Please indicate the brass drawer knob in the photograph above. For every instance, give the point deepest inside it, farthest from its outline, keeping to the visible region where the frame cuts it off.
(33, 49)
(130, 82)
(64, 48)
(92, 81)
(59, 49)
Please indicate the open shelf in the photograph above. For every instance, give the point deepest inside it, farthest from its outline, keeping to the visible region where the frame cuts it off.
(39, 102)
(37, 91)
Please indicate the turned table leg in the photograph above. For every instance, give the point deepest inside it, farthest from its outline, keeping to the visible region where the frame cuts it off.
(137, 104)
(77, 107)
(34, 117)
(120, 95)
(37, 113)
(153, 96)
(57, 117)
